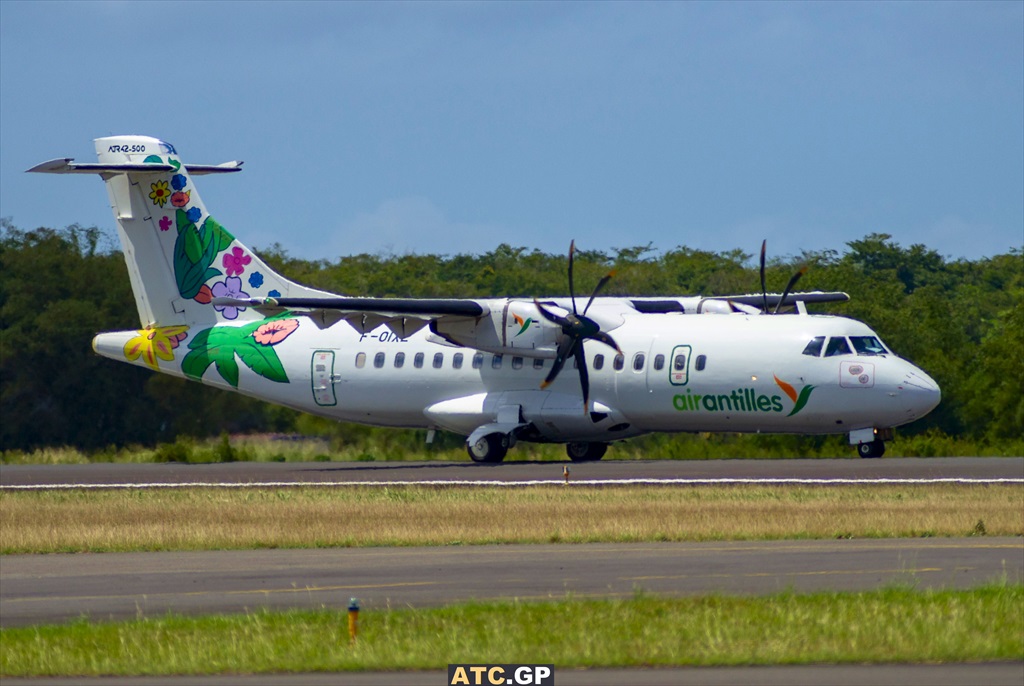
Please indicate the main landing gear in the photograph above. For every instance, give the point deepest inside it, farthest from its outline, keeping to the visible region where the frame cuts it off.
(580, 451)
(490, 448)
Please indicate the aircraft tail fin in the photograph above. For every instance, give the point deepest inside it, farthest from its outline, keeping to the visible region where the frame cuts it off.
(179, 258)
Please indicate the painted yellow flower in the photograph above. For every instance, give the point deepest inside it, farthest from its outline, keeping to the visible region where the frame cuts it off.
(160, 193)
(153, 344)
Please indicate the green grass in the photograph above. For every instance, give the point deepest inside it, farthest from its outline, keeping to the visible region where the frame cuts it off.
(370, 444)
(895, 624)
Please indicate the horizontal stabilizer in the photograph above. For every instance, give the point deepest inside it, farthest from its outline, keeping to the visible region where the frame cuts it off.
(67, 165)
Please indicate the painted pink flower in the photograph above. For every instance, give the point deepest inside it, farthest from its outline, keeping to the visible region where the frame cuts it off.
(165, 223)
(276, 331)
(181, 198)
(234, 263)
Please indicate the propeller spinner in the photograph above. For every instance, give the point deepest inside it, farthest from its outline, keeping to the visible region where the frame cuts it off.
(577, 328)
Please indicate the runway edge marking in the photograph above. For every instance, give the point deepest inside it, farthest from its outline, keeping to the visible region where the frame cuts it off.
(534, 482)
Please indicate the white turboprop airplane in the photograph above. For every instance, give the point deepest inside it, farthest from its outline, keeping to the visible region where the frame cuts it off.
(212, 311)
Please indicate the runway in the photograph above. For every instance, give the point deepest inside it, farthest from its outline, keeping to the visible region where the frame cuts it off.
(51, 588)
(669, 472)
(37, 589)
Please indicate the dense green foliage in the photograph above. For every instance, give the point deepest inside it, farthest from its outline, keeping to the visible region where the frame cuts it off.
(962, 321)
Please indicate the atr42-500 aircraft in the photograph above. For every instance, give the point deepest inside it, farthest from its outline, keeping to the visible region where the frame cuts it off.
(212, 311)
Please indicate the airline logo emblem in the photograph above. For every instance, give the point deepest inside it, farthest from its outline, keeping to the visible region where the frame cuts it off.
(745, 400)
(523, 324)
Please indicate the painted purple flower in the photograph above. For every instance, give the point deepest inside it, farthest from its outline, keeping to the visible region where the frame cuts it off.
(234, 263)
(193, 214)
(165, 223)
(230, 287)
(178, 182)
(255, 279)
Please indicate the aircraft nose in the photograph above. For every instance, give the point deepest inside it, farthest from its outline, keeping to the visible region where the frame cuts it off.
(919, 392)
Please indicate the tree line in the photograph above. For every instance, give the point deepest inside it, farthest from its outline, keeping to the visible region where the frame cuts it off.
(960, 320)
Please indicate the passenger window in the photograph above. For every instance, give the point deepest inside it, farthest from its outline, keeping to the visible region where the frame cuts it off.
(837, 345)
(598, 361)
(538, 363)
(867, 345)
(457, 361)
(814, 347)
(438, 360)
(619, 362)
(478, 360)
(702, 360)
(679, 363)
(496, 362)
(638, 362)
(378, 360)
(418, 361)
(399, 360)
(517, 362)
(360, 360)
(659, 362)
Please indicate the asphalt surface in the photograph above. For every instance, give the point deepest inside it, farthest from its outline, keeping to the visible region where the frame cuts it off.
(36, 589)
(50, 588)
(361, 472)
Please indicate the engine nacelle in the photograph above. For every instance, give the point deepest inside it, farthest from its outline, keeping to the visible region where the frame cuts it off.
(514, 328)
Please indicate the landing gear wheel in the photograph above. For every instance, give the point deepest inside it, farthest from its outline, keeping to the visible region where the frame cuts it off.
(871, 449)
(580, 451)
(490, 448)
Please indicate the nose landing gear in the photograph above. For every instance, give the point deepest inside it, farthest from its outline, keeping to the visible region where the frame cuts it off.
(870, 442)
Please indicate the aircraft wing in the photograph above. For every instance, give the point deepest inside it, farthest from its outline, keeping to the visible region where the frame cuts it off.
(404, 316)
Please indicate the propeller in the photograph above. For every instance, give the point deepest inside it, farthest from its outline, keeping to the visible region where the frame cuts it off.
(576, 328)
(789, 286)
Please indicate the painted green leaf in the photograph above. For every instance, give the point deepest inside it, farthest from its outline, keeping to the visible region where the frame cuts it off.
(194, 364)
(153, 159)
(220, 345)
(263, 360)
(228, 369)
(193, 246)
(224, 238)
(174, 163)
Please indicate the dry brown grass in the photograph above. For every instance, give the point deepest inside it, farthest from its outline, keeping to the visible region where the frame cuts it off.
(197, 519)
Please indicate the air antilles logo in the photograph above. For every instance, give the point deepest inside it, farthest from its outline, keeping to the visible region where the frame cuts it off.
(523, 324)
(799, 399)
(744, 400)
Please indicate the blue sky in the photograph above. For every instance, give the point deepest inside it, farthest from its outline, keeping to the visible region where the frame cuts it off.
(454, 127)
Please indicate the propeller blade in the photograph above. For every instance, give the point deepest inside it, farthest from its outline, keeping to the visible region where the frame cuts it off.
(607, 340)
(564, 350)
(764, 289)
(581, 362)
(551, 316)
(600, 284)
(789, 286)
(572, 291)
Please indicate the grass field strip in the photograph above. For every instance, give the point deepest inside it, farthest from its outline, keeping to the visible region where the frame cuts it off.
(534, 482)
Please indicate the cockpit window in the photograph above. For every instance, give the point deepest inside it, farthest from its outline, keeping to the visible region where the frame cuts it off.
(814, 347)
(867, 345)
(837, 345)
